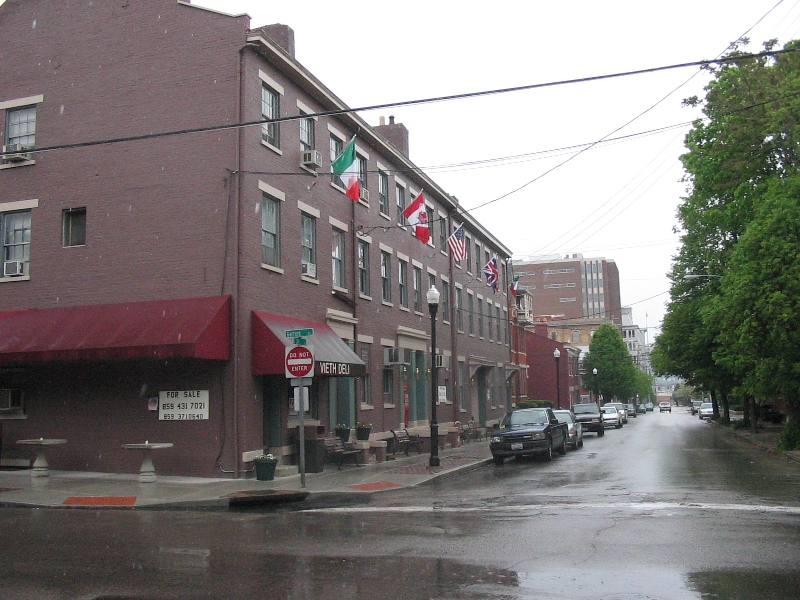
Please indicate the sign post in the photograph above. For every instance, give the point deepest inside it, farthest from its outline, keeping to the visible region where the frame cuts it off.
(299, 366)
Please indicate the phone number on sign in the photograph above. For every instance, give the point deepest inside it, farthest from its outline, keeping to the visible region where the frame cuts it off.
(184, 416)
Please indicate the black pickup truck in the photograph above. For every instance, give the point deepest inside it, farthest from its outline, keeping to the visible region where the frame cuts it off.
(529, 431)
(589, 415)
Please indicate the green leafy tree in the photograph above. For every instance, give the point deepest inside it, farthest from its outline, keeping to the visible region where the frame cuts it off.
(616, 373)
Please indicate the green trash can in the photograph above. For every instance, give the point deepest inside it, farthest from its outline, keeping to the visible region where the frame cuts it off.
(265, 468)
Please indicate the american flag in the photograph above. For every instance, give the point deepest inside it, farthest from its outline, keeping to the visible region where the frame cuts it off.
(492, 274)
(457, 245)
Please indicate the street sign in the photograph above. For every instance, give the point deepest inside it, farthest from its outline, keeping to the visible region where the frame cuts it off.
(299, 361)
(296, 333)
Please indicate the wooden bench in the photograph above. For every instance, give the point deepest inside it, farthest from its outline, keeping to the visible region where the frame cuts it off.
(337, 452)
(404, 441)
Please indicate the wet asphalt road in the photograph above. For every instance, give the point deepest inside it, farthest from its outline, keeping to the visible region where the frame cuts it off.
(666, 508)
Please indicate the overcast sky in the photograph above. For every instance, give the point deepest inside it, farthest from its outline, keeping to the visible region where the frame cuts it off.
(615, 200)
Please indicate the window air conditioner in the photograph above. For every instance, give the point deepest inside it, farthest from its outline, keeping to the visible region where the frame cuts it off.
(13, 268)
(364, 194)
(309, 270)
(312, 159)
(442, 361)
(16, 153)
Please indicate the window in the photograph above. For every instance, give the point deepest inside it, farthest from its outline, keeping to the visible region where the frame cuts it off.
(470, 313)
(338, 258)
(337, 146)
(366, 383)
(307, 133)
(477, 259)
(362, 171)
(388, 386)
(400, 195)
(468, 252)
(16, 231)
(489, 327)
(270, 109)
(498, 337)
(403, 282)
(386, 277)
(480, 318)
(429, 213)
(417, 282)
(271, 231)
(21, 126)
(445, 301)
(308, 245)
(73, 225)
(443, 233)
(11, 402)
(383, 192)
(462, 380)
(363, 267)
(459, 309)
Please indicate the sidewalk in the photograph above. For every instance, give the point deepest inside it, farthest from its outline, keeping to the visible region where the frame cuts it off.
(104, 490)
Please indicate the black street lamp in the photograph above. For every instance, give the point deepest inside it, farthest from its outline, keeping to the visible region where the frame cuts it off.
(596, 391)
(557, 356)
(433, 305)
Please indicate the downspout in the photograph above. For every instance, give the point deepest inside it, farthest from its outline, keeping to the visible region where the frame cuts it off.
(453, 326)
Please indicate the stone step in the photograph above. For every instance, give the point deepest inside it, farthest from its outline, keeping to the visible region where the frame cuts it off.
(286, 470)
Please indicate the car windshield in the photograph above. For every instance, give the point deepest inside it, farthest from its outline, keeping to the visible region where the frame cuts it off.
(580, 409)
(706, 405)
(533, 416)
(609, 410)
(563, 416)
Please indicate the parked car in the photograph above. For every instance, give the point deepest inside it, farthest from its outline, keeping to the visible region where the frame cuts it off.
(706, 410)
(631, 410)
(575, 429)
(590, 417)
(664, 407)
(641, 409)
(623, 412)
(649, 406)
(526, 432)
(611, 417)
(695, 406)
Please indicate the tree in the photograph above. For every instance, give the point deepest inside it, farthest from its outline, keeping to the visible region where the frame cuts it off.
(616, 373)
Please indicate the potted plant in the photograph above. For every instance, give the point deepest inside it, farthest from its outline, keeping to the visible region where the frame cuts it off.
(343, 432)
(265, 467)
(363, 430)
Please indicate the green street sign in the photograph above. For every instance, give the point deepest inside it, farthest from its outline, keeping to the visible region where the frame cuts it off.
(299, 333)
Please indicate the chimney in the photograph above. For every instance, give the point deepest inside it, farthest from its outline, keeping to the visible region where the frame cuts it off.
(540, 329)
(283, 35)
(394, 133)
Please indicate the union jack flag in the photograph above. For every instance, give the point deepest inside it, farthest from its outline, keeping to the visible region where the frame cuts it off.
(492, 275)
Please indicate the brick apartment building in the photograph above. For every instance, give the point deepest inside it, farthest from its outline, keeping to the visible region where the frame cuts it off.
(153, 248)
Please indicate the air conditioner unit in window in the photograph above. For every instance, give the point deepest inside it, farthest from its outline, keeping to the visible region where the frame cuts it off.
(442, 362)
(16, 152)
(364, 194)
(309, 270)
(396, 356)
(312, 159)
(13, 268)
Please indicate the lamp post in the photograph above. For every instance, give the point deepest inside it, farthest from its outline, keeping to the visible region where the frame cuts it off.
(557, 356)
(433, 305)
(596, 391)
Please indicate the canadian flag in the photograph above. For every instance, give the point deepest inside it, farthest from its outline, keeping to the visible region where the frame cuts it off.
(417, 216)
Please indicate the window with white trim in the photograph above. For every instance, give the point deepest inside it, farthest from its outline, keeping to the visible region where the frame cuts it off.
(307, 133)
(270, 109)
(308, 244)
(403, 282)
(386, 277)
(16, 239)
(459, 309)
(271, 231)
(445, 301)
(21, 126)
(336, 147)
(400, 198)
(383, 192)
(338, 258)
(363, 267)
(73, 227)
(362, 171)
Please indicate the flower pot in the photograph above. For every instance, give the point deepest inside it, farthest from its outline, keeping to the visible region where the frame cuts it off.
(343, 433)
(265, 468)
(362, 433)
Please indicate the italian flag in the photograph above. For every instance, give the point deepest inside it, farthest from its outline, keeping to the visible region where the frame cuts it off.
(346, 167)
(417, 216)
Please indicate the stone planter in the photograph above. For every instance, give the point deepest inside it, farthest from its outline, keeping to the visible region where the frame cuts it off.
(343, 433)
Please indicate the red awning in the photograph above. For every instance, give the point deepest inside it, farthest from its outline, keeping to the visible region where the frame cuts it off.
(332, 356)
(191, 328)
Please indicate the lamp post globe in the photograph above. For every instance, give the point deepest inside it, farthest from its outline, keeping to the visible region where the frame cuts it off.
(596, 391)
(433, 306)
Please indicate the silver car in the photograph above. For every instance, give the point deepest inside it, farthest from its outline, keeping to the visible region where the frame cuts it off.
(575, 440)
(623, 411)
(611, 416)
(706, 410)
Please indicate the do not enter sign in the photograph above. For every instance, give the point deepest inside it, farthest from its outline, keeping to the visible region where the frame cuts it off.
(299, 361)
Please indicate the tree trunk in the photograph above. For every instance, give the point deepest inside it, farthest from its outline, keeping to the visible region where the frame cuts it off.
(746, 412)
(714, 405)
(753, 418)
(726, 408)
